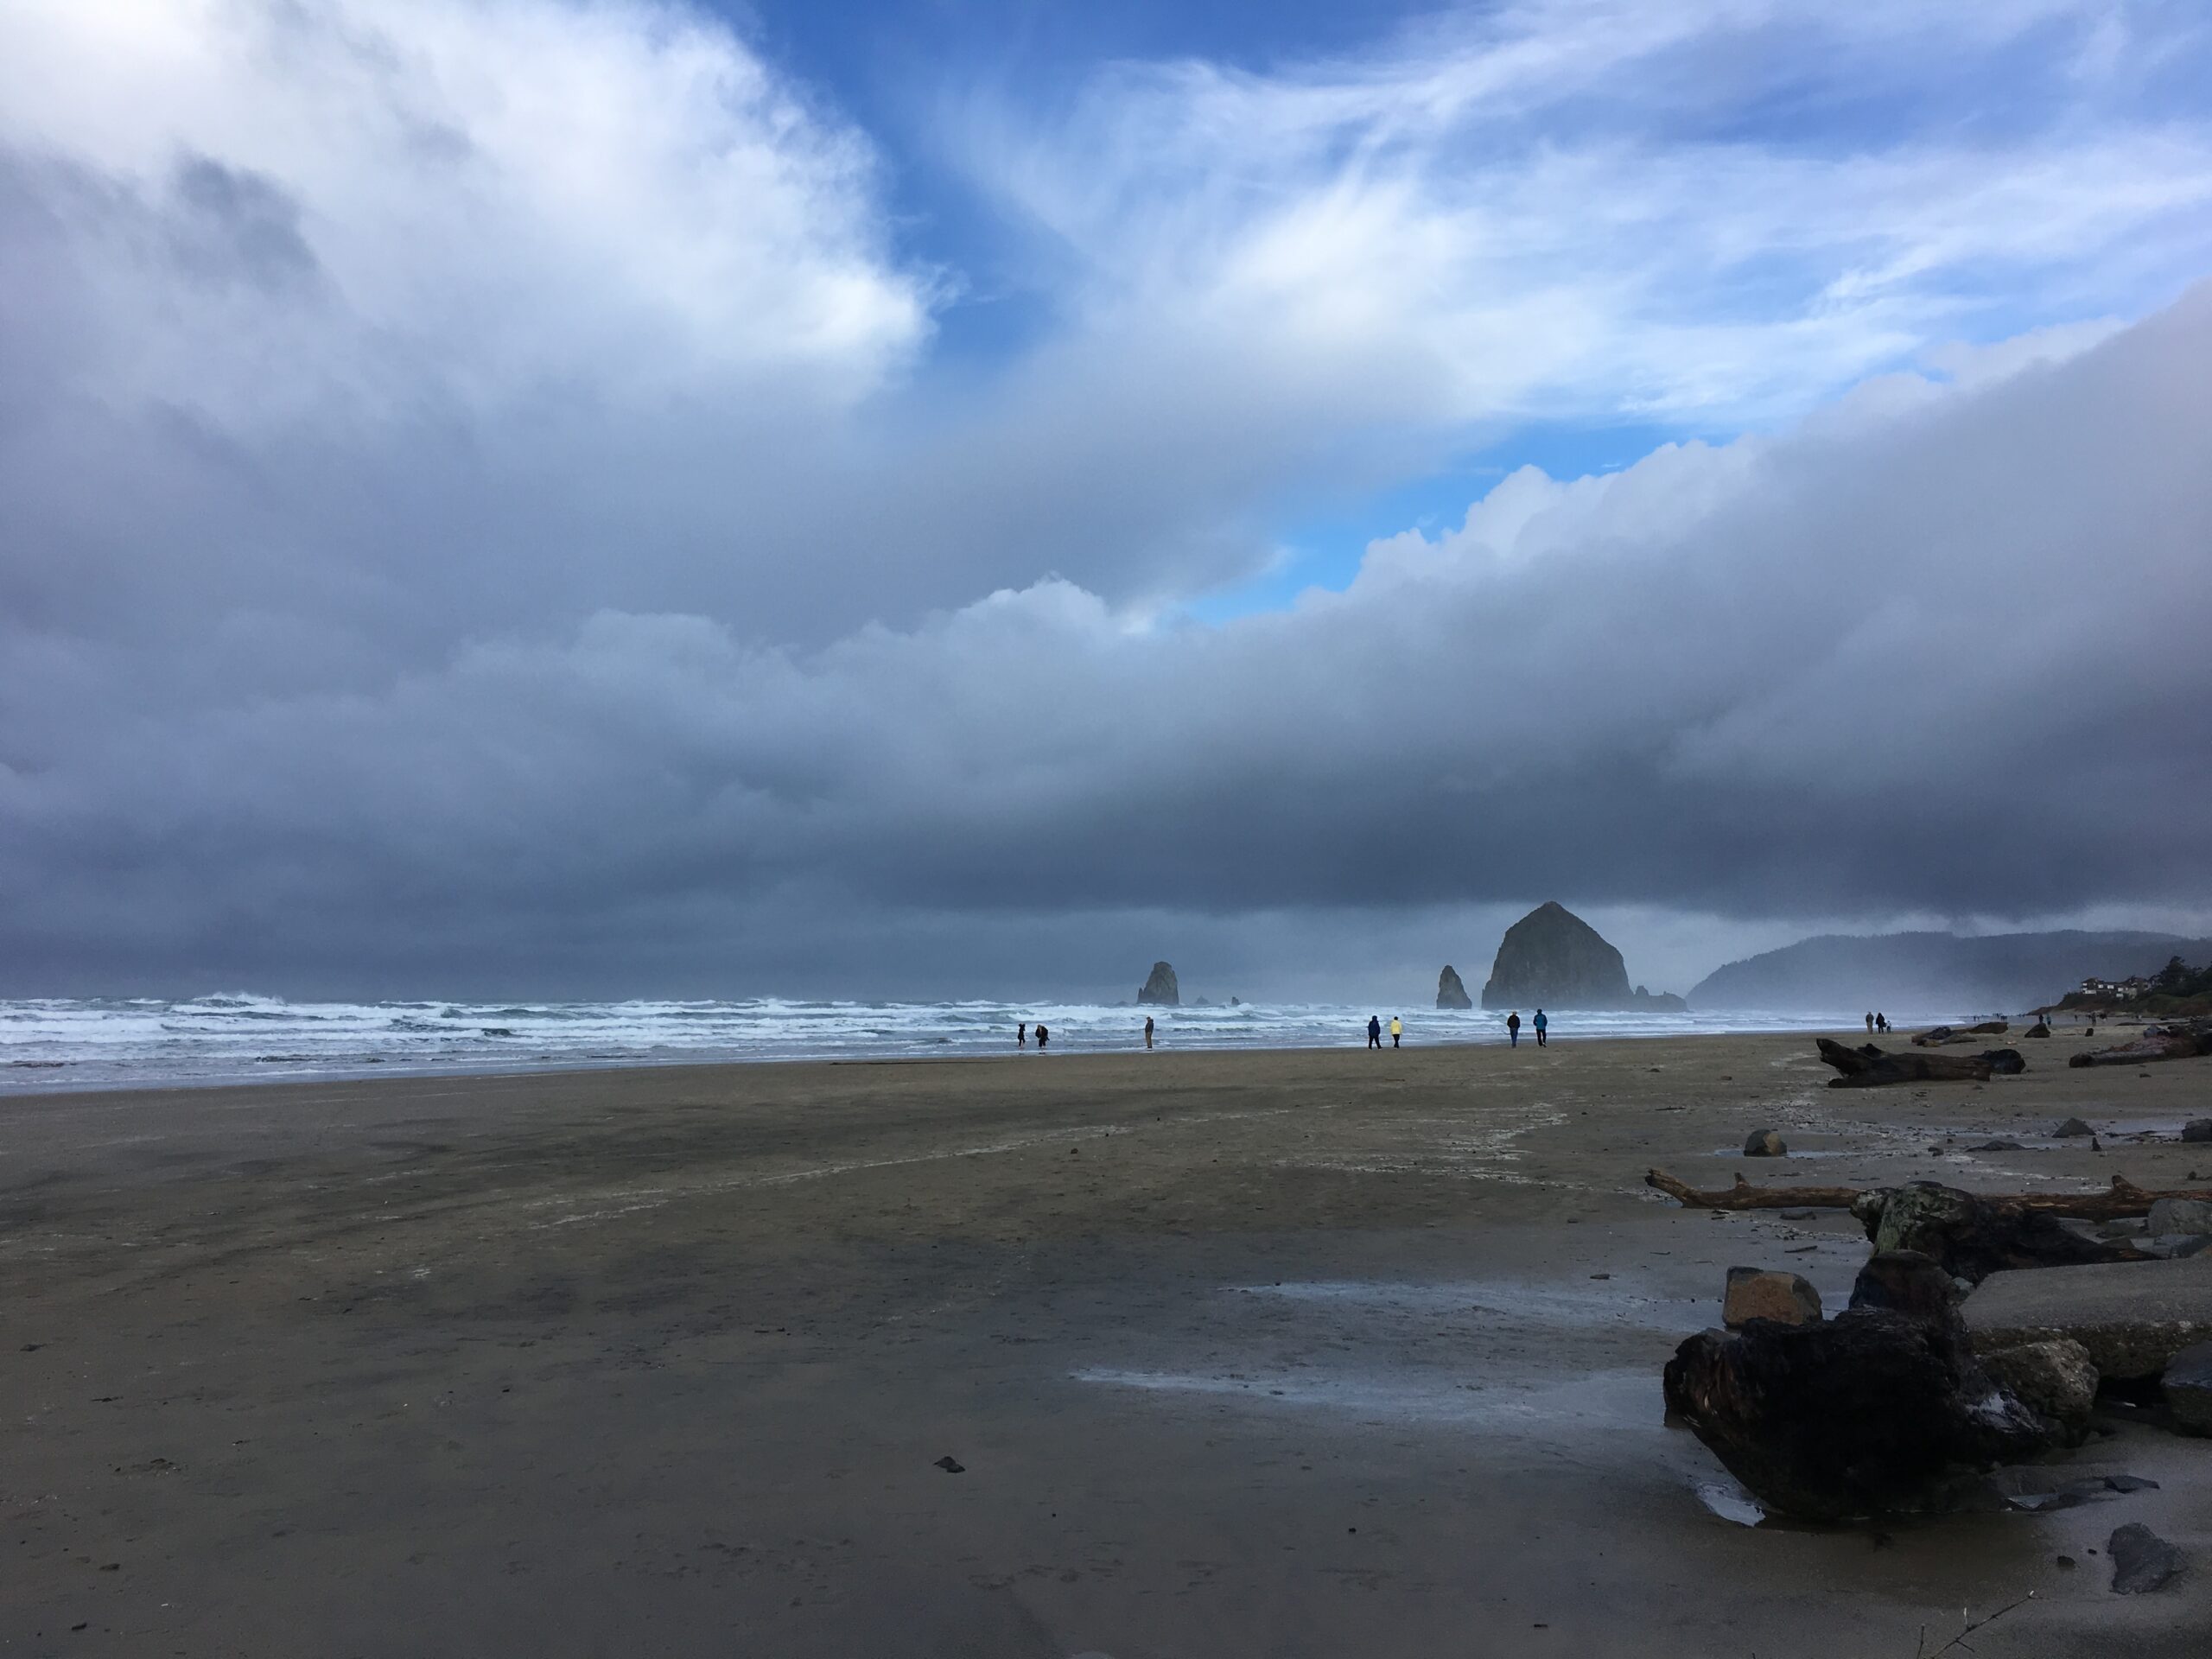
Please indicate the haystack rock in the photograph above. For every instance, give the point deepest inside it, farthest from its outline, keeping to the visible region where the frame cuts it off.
(1551, 958)
(1161, 989)
(1450, 993)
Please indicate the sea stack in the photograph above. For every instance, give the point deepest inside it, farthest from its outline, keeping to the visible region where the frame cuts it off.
(1161, 989)
(1552, 957)
(1450, 993)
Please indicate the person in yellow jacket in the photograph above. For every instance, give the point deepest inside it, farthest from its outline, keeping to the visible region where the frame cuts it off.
(1397, 1030)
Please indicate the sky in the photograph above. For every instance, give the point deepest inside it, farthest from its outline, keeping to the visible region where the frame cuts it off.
(614, 498)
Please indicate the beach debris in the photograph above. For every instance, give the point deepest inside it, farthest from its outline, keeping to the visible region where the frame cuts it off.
(2197, 1128)
(1997, 1146)
(952, 1465)
(2056, 1378)
(2187, 1381)
(2133, 1318)
(2122, 1197)
(1765, 1143)
(1765, 1293)
(1867, 1413)
(1904, 1281)
(2141, 1561)
(1942, 1036)
(1971, 1237)
(1869, 1067)
(2176, 1042)
(2039, 1490)
(2004, 1062)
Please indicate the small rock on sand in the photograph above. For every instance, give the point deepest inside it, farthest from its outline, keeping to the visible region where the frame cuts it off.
(1997, 1145)
(2071, 1127)
(1763, 1294)
(1765, 1143)
(2055, 1378)
(2197, 1128)
(2141, 1561)
(2188, 1384)
(1800, 1214)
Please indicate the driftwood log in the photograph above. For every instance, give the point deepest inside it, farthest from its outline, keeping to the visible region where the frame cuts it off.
(1942, 1035)
(2114, 1203)
(1869, 1067)
(1866, 1414)
(2158, 1043)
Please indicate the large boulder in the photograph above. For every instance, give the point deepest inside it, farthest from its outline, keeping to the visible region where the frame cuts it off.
(1160, 988)
(1764, 1294)
(1450, 992)
(2055, 1378)
(2132, 1317)
(1552, 957)
(1970, 1235)
(2188, 1385)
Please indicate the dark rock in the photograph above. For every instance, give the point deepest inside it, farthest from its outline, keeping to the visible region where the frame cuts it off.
(1762, 1293)
(1904, 1281)
(952, 1465)
(1867, 1413)
(2004, 1062)
(1159, 989)
(2038, 1029)
(1552, 957)
(2181, 1216)
(1997, 1145)
(2188, 1385)
(2141, 1561)
(1970, 1236)
(2072, 1129)
(1765, 1143)
(1450, 993)
(2197, 1128)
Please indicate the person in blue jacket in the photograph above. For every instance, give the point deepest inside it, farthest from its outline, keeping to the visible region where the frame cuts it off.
(1373, 1032)
(1541, 1024)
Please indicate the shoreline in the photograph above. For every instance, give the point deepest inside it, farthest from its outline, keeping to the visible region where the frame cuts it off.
(369, 1071)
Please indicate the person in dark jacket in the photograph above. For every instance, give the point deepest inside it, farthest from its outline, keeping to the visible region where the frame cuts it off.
(1542, 1026)
(1513, 1028)
(1373, 1032)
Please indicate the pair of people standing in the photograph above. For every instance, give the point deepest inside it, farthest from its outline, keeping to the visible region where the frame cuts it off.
(1044, 1035)
(1375, 1029)
(1513, 1028)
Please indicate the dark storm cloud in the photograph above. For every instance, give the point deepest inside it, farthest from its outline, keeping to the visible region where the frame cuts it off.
(1939, 649)
(476, 499)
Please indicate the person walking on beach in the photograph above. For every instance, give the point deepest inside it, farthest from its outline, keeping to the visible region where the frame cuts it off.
(1881, 1022)
(1044, 1036)
(1373, 1032)
(1513, 1029)
(1870, 1025)
(1540, 1023)
(1022, 1035)
(1147, 1033)
(1397, 1030)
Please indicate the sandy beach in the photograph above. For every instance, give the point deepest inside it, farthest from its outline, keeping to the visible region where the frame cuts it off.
(1298, 1353)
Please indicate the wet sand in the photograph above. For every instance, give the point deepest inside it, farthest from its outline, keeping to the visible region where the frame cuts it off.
(1322, 1353)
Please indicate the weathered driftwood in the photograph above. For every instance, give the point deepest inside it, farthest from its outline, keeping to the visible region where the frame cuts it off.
(2114, 1203)
(1869, 1067)
(1942, 1035)
(2158, 1043)
(1865, 1415)
(1970, 1235)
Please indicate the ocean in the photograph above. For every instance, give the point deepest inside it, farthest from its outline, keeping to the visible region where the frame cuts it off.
(54, 1042)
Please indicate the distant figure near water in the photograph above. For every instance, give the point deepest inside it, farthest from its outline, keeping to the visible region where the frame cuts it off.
(1881, 1022)
(1870, 1025)
(1022, 1035)
(1044, 1036)
(1397, 1030)
(1513, 1028)
(1373, 1032)
(1147, 1030)
(1542, 1025)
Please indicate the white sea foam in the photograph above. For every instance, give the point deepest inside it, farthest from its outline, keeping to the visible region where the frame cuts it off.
(58, 1043)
